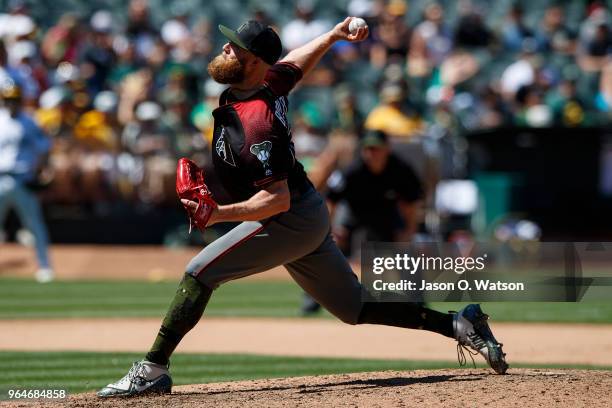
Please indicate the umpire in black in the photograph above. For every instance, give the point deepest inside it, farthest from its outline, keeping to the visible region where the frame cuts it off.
(378, 194)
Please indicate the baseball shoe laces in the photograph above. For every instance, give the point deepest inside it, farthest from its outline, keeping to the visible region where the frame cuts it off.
(474, 335)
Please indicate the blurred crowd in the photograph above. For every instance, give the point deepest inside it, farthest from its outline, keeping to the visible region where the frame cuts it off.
(123, 90)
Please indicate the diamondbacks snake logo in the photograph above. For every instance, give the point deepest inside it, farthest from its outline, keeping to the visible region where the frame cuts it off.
(262, 152)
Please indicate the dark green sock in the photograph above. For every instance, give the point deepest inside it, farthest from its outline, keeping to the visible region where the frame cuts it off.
(409, 315)
(183, 314)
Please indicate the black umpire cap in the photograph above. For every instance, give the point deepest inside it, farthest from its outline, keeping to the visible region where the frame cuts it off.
(374, 138)
(257, 38)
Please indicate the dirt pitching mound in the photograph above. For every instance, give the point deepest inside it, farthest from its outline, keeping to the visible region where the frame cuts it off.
(423, 388)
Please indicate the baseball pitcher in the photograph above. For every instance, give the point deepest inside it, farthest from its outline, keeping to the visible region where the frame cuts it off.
(283, 220)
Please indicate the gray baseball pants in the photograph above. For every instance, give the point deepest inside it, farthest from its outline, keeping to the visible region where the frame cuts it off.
(300, 240)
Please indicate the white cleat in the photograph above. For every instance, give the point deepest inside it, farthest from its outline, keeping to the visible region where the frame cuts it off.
(44, 275)
(472, 330)
(143, 378)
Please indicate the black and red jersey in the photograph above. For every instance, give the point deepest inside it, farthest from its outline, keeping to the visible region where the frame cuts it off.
(252, 144)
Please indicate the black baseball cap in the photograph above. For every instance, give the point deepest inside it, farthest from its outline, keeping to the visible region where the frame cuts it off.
(257, 38)
(373, 138)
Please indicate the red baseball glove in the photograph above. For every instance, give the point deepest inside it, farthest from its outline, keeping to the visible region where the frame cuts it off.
(190, 186)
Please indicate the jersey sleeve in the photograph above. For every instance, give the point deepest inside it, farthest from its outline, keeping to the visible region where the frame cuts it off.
(268, 159)
(282, 77)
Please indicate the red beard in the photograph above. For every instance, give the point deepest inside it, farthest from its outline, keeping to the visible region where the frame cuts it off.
(226, 71)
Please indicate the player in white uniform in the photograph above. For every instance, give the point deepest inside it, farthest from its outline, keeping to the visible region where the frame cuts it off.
(22, 147)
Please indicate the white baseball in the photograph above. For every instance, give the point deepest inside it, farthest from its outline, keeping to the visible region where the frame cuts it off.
(356, 23)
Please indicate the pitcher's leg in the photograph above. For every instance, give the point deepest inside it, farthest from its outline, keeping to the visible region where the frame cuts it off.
(327, 277)
(183, 314)
(252, 247)
(249, 248)
(245, 250)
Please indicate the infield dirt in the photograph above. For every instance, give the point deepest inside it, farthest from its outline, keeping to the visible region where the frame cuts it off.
(423, 388)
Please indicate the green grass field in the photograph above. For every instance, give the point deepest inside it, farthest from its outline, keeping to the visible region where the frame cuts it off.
(83, 371)
(22, 299)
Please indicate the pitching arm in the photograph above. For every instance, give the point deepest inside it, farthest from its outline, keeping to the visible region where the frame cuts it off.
(308, 55)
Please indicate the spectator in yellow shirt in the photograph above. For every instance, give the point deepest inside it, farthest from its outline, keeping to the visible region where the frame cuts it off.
(390, 116)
